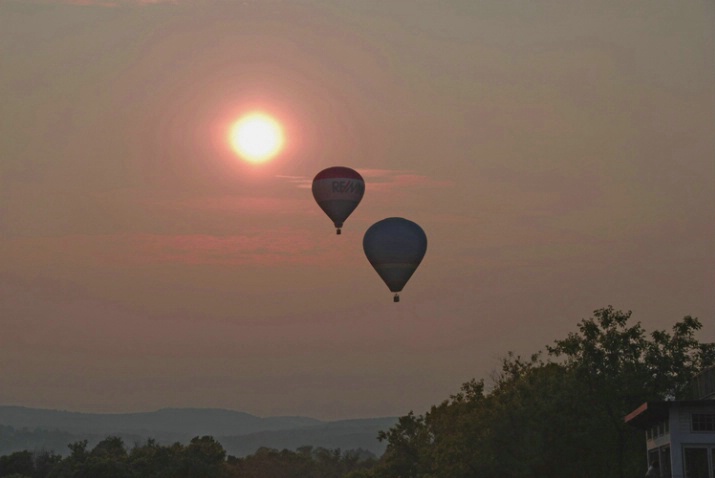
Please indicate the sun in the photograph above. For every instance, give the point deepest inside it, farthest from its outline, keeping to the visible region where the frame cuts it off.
(256, 137)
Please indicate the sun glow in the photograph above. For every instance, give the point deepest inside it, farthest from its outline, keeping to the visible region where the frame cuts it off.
(256, 137)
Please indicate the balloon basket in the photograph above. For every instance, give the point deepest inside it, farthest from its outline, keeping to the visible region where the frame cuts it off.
(396, 298)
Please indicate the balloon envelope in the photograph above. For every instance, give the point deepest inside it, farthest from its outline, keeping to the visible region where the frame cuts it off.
(338, 191)
(395, 247)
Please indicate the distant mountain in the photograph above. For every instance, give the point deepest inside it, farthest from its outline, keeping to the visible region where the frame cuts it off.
(343, 434)
(179, 421)
(240, 433)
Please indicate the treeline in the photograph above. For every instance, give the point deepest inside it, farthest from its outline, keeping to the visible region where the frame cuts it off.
(557, 414)
(203, 457)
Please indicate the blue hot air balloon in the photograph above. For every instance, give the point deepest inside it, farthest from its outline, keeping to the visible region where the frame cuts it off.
(338, 191)
(395, 247)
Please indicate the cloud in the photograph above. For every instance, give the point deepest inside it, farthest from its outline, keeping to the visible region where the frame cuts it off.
(390, 180)
(301, 182)
(382, 180)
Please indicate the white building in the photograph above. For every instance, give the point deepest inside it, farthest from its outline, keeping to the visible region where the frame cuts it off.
(680, 435)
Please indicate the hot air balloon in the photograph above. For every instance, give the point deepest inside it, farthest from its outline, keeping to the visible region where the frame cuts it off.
(338, 191)
(395, 247)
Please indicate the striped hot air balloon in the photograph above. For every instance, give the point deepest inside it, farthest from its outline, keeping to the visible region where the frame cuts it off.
(395, 247)
(338, 191)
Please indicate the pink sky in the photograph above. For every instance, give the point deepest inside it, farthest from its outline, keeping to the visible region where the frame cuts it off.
(558, 156)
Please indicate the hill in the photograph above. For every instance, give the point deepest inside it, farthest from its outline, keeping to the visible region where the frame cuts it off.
(240, 433)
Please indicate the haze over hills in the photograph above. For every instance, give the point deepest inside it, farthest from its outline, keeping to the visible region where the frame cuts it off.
(240, 433)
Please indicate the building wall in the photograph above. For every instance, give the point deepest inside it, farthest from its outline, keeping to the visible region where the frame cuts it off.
(683, 416)
(678, 434)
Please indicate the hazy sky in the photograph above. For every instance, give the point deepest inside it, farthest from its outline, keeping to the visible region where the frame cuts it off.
(560, 156)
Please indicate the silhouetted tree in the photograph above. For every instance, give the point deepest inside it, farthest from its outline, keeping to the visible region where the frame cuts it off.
(203, 458)
(45, 461)
(622, 367)
(559, 417)
(18, 463)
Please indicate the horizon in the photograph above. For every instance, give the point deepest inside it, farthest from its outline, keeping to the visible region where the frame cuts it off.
(192, 409)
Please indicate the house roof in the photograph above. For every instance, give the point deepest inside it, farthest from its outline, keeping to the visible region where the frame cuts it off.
(647, 414)
(651, 413)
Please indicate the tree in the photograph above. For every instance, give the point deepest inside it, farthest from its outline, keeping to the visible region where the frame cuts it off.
(70, 467)
(155, 461)
(524, 427)
(18, 463)
(559, 416)
(408, 443)
(45, 461)
(271, 463)
(623, 368)
(111, 448)
(203, 458)
(107, 459)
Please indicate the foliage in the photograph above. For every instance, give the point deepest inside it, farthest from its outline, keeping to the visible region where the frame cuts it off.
(19, 463)
(306, 462)
(28, 464)
(559, 417)
(203, 457)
